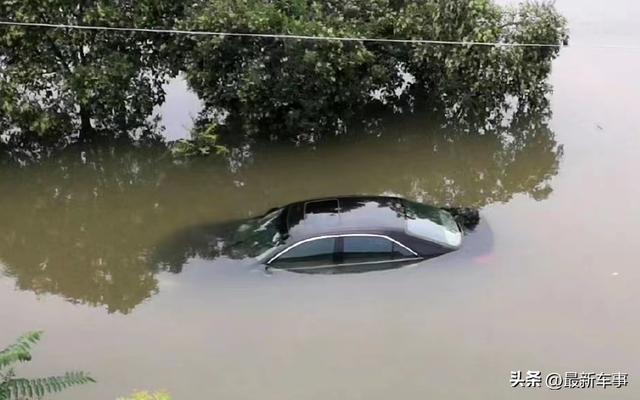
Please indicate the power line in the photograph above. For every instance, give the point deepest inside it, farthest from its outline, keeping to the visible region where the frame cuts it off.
(275, 35)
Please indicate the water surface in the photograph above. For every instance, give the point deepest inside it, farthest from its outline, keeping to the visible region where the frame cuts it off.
(548, 281)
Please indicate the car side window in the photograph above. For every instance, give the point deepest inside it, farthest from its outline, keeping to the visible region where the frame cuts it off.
(372, 248)
(312, 253)
(366, 248)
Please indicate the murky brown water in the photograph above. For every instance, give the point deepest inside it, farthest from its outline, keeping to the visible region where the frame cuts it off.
(104, 256)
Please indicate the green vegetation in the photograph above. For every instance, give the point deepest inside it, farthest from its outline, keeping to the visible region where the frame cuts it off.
(202, 143)
(144, 395)
(480, 84)
(298, 90)
(62, 86)
(13, 388)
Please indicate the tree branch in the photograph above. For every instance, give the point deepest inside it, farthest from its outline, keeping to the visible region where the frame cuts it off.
(54, 47)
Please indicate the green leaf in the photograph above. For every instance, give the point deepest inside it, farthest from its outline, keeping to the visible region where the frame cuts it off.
(35, 388)
(19, 351)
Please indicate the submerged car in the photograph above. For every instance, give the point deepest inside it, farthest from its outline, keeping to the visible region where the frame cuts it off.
(351, 234)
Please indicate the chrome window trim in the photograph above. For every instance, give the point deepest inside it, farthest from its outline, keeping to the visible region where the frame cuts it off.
(340, 236)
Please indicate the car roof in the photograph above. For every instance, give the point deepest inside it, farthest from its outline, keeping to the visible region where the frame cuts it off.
(345, 214)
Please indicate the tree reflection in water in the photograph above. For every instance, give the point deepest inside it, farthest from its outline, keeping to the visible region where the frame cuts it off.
(96, 227)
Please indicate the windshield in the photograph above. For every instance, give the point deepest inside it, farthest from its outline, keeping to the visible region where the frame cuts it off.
(260, 234)
(433, 224)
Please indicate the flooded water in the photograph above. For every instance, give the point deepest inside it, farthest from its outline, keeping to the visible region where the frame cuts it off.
(104, 252)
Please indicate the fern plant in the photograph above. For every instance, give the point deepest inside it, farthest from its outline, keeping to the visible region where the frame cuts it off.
(14, 388)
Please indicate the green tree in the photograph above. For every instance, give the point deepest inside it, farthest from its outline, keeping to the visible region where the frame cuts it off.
(478, 85)
(299, 89)
(290, 88)
(13, 388)
(61, 85)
